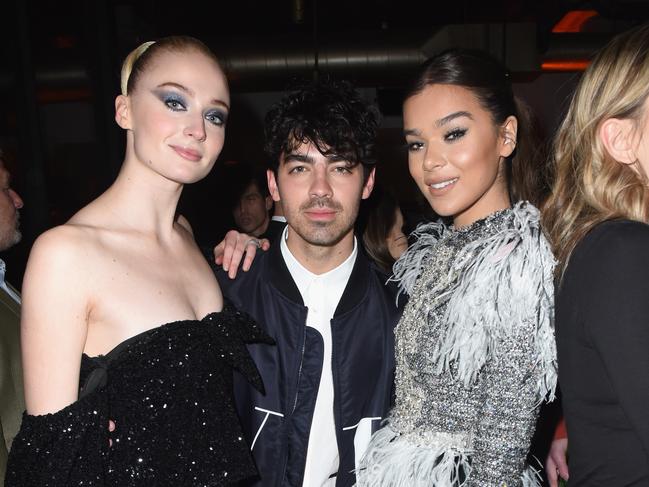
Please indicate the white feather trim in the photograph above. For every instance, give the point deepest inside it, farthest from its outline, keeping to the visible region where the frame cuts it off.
(501, 282)
(401, 460)
(411, 264)
(392, 460)
(531, 478)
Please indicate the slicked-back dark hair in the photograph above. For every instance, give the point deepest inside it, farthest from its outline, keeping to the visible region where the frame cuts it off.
(489, 81)
(329, 114)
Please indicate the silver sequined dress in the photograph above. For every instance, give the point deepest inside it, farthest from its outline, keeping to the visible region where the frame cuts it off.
(475, 356)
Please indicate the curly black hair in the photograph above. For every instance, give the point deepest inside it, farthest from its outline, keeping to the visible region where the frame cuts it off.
(329, 114)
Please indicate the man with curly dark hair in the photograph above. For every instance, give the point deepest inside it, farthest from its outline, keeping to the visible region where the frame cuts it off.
(318, 115)
(329, 379)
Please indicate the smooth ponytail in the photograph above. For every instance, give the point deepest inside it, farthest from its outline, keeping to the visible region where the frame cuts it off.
(527, 177)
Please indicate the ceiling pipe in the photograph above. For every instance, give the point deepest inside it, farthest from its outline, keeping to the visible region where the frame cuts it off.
(371, 59)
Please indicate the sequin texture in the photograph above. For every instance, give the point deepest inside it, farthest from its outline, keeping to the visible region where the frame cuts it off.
(445, 430)
(169, 391)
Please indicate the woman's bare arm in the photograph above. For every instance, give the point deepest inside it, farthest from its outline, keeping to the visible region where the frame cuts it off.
(54, 320)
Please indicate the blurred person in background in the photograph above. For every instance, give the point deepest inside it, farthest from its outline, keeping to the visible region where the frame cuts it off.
(252, 203)
(383, 236)
(12, 402)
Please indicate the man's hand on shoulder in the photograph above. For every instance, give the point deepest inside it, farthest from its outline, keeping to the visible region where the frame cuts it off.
(232, 249)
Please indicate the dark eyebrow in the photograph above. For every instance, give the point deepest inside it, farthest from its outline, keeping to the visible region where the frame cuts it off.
(449, 118)
(408, 132)
(294, 157)
(337, 158)
(180, 87)
(307, 159)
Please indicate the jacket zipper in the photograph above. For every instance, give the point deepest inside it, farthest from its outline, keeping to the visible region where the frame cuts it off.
(297, 387)
(334, 383)
(299, 372)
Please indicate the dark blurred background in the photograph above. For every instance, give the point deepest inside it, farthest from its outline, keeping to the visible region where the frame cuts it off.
(60, 75)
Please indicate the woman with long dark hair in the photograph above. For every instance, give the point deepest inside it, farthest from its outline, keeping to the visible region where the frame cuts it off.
(475, 346)
(383, 237)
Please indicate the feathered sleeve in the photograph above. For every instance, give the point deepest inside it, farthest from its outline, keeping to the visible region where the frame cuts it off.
(505, 281)
(412, 262)
(511, 345)
(69, 447)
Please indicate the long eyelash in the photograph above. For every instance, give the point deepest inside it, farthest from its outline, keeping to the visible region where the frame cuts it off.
(169, 98)
(410, 146)
(455, 134)
(220, 115)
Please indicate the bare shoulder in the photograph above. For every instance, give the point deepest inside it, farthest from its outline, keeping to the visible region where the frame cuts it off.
(64, 256)
(63, 243)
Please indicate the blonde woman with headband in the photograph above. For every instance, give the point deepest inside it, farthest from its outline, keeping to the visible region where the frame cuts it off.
(123, 321)
(597, 220)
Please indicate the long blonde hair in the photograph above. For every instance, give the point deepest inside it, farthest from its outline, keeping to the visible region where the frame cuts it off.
(590, 185)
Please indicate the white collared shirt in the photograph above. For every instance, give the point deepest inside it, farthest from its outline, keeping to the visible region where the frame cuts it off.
(3, 284)
(321, 294)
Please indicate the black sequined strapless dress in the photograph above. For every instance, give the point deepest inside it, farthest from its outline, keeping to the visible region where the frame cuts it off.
(169, 392)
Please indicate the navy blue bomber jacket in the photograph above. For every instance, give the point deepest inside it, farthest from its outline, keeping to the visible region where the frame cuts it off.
(277, 424)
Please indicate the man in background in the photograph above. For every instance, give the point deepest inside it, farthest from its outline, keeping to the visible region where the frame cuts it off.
(252, 205)
(12, 402)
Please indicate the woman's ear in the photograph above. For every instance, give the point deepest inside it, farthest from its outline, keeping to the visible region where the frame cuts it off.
(123, 112)
(617, 136)
(508, 132)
